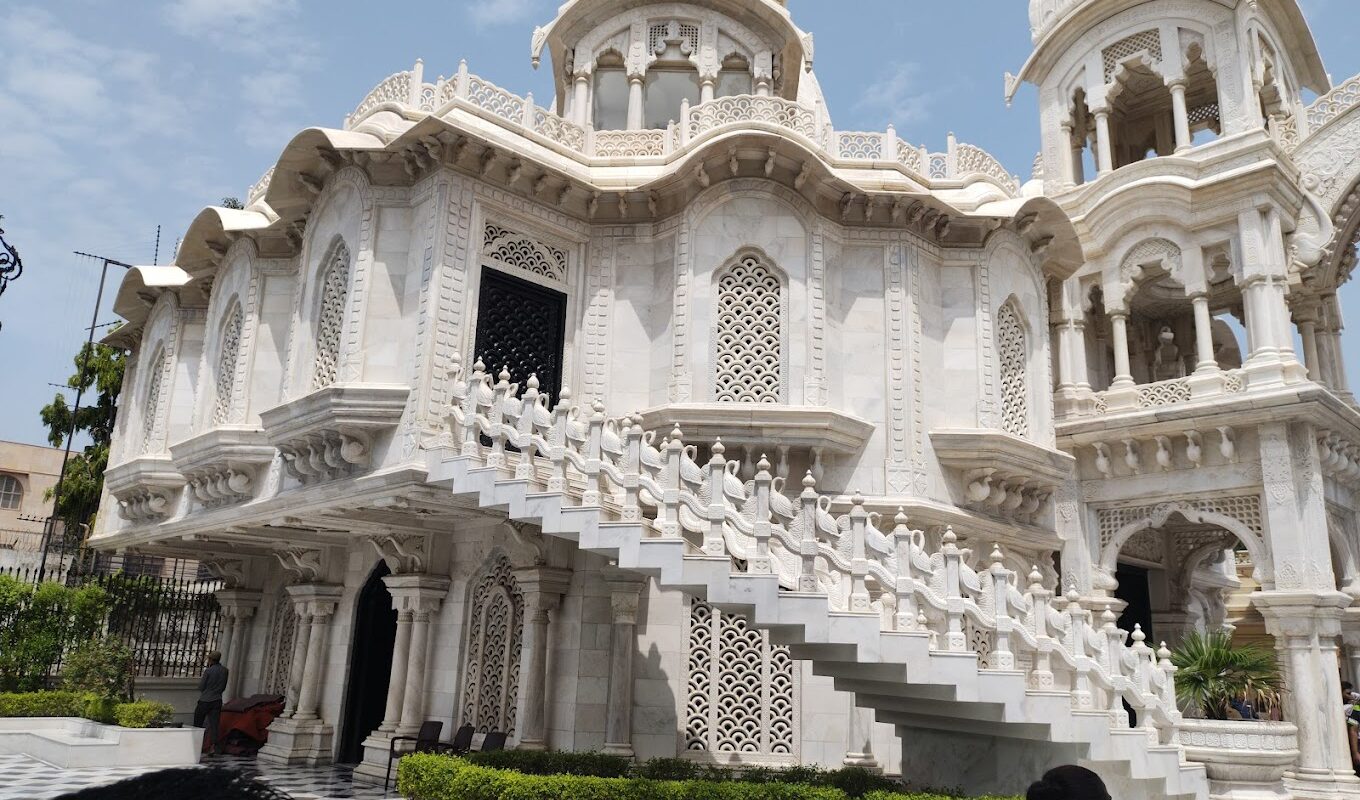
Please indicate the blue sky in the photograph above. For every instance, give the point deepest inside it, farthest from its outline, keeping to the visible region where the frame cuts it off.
(116, 117)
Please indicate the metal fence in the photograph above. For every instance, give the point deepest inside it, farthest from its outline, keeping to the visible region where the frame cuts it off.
(164, 610)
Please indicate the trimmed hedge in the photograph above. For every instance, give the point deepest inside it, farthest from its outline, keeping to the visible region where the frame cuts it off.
(554, 762)
(433, 777)
(143, 714)
(138, 714)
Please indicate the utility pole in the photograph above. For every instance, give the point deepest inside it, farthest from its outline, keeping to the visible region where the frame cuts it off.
(75, 410)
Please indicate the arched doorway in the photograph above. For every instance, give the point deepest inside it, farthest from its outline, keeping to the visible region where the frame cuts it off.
(1174, 566)
(370, 665)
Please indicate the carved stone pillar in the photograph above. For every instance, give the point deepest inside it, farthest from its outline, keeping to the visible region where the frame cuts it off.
(1305, 626)
(396, 680)
(623, 598)
(543, 588)
(238, 608)
(422, 595)
(1180, 116)
(580, 104)
(1104, 147)
(859, 746)
(634, 102)
(301, 736)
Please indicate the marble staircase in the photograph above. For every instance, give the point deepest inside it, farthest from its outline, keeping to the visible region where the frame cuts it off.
(883, 614)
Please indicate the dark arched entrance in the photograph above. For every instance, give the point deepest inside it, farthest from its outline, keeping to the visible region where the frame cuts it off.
(370, 665)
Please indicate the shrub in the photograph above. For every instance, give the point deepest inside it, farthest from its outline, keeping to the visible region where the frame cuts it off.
(434, 777)
(1211, 673)
(103, 666)
(56, 704)
(38, 623)
(551, 762)
(143, 714)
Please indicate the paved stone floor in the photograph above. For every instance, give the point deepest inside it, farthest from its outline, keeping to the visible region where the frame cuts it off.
(24, 778)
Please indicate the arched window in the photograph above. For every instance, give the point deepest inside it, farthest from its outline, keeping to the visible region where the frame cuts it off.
(1011, 350)
(749, 333)
(229, 348)
(11, 492)
(610, 101)
(741, 695)
(495, 635)
(330, 318)
(151, 407)
(672, 77)
(734, 77)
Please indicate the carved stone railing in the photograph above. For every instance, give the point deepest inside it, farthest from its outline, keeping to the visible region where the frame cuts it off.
(1333, 104)
(631, 144)
(1174, 391)
(406, 93)
(777, 111)
(911, 582)
(258, 189)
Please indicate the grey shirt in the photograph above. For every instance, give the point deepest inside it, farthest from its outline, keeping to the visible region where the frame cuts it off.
(212, 684)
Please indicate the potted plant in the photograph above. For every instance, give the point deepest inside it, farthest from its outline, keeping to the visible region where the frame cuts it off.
(1240, 756)
(1211, 673)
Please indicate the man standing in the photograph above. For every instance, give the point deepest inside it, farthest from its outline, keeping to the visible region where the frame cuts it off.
(208, 712)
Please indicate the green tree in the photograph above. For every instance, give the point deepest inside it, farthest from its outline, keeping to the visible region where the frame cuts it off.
(83, 482)
(1211, 673)
(231, 202)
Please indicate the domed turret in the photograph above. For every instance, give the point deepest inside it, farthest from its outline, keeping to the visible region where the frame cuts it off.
(632, 65)
(1124, 80)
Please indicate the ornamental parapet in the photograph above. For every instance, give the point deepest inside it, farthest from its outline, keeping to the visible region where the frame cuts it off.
(224, 465)
(405, 94)
(331, 432)
(145, 487)
(1160, 394)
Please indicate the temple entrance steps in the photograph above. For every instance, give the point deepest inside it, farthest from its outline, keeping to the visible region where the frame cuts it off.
(923, 679)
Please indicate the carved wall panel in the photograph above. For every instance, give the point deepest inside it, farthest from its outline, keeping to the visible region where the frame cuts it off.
(741, 692)
(495, 635)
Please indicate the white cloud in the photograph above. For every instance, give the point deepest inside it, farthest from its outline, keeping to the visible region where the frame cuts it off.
(490, 13)
(211, 16)
(280, 54)
(896, 97)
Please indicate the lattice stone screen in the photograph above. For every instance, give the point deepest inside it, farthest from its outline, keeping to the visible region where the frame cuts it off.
(749, 345)
(1115, 54)
(226, 366)
(279, 653)
(330, 320)
(1011, 350)
(741, 693)
(495, 636)
(151, 409)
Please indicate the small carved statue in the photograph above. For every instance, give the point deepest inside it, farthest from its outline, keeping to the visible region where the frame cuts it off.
(1166, 362)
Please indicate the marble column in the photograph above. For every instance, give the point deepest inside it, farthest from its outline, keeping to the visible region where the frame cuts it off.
(634, 102)
(396, 679)
(300, 735)
(580, 104)
(543, 588)
(1305, 625)
(706, 89)
(1123, 373)
(859, 747)
(1104, 147)
(624, 592)
(300, 635)
(238, 609)
(314, 667)
(1204, 335)
(1180, 116)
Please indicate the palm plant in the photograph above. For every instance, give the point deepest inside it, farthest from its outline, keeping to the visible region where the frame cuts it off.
(1211, 673)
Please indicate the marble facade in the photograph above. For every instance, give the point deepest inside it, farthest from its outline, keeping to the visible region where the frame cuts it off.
(715, 431)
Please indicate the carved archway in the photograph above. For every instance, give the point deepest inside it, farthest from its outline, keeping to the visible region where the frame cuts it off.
(1119, 525)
